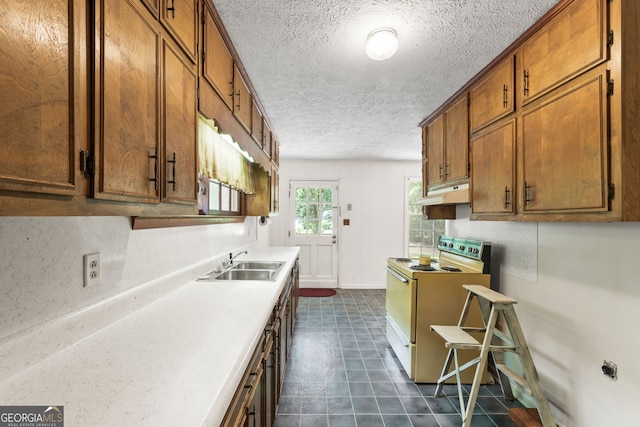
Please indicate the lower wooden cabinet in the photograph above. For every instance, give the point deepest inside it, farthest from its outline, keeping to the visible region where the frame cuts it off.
(255, 401)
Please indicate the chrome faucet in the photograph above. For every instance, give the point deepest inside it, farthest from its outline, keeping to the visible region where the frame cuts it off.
(232, 256)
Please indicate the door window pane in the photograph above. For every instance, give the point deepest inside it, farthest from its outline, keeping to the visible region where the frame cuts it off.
(314, 211)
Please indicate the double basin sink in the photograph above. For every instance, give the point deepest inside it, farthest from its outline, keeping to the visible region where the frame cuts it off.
(247, 270)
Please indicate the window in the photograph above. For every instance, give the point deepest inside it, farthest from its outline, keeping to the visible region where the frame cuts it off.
(422, 233)
(223, 199)
(314, 211)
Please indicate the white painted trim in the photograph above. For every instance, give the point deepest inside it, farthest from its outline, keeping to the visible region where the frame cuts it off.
(363, 286)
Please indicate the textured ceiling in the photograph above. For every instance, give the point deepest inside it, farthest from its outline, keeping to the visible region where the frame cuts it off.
(327, 100)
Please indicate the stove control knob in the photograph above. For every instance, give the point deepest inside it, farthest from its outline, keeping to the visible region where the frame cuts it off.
(462, 248)
(475, 251)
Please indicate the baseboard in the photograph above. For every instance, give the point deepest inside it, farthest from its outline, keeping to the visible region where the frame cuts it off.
(362, 286)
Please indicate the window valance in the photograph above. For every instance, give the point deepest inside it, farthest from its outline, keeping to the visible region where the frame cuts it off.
(222, 158)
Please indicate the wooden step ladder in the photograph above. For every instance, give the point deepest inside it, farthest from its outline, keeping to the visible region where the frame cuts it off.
(499, 337)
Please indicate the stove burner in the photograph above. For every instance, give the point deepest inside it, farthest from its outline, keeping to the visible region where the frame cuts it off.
(422, 267)
(403, 259)
(454, 269)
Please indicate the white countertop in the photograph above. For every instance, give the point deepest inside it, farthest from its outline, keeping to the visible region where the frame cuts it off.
(175, 362)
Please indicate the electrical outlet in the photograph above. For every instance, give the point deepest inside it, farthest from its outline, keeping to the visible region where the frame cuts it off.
(91, 270)
(610, 369)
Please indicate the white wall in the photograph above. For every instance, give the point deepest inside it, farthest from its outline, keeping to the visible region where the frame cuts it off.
(375, 189)
(41, 260)
(579, 304)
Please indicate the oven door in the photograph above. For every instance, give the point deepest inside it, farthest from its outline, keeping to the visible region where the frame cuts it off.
(401, 318)
(401, 302)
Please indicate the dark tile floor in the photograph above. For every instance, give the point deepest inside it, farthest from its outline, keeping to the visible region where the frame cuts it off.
(341, 372)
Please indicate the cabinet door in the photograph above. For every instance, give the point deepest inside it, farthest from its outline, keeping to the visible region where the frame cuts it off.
(275, 190)
(217, 63)
(37, 111)
(256, 124)
(266, 139)
(564, 149)
(493, 156)
(179, 128)
(270, 383)
(571, 43)
(435, 152)
(241, 100)
(275, 151)
(180, 18)
(456, 141)
(127, 145)
(493, 97)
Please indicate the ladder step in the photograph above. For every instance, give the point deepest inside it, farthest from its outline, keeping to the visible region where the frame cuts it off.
(515, 377)
(489, 294)
(456, 337)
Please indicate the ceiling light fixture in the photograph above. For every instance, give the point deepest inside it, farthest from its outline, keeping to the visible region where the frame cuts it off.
(382, 44)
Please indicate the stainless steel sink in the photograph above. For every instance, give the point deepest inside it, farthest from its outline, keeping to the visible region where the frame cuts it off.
(258, 265)
(247, 270)
(247, 275)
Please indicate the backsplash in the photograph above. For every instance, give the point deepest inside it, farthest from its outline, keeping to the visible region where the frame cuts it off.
(520, 260)
(41, 260)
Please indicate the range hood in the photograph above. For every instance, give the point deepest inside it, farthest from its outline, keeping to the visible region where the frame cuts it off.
(446, 196)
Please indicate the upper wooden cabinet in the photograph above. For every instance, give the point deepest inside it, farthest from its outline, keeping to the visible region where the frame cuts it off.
(127, 108)
(241, 100)
(493, 177)
(266, 139)
(553, 121)
(275, 151)
(41, 116)
(572, 42)
(434, 142)
(146, 112)
(217, 62)
(494, 97)
(256, 123)
(181, 20)
(179, 127)
(564, 149)
(447, 146)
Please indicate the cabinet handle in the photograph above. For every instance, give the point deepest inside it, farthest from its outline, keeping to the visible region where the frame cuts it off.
(507, 197)
(154, 156)
(172, 9)
(527, 193)
(440, 172)
(173, 182)
(446, 171)
(526, 82)
(252, 414)
(238, 102)
(505, 96)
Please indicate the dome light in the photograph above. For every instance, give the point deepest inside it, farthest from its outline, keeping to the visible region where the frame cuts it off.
(382, 44)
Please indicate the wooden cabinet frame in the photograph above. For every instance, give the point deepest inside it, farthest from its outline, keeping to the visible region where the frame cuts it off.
(577, 82)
